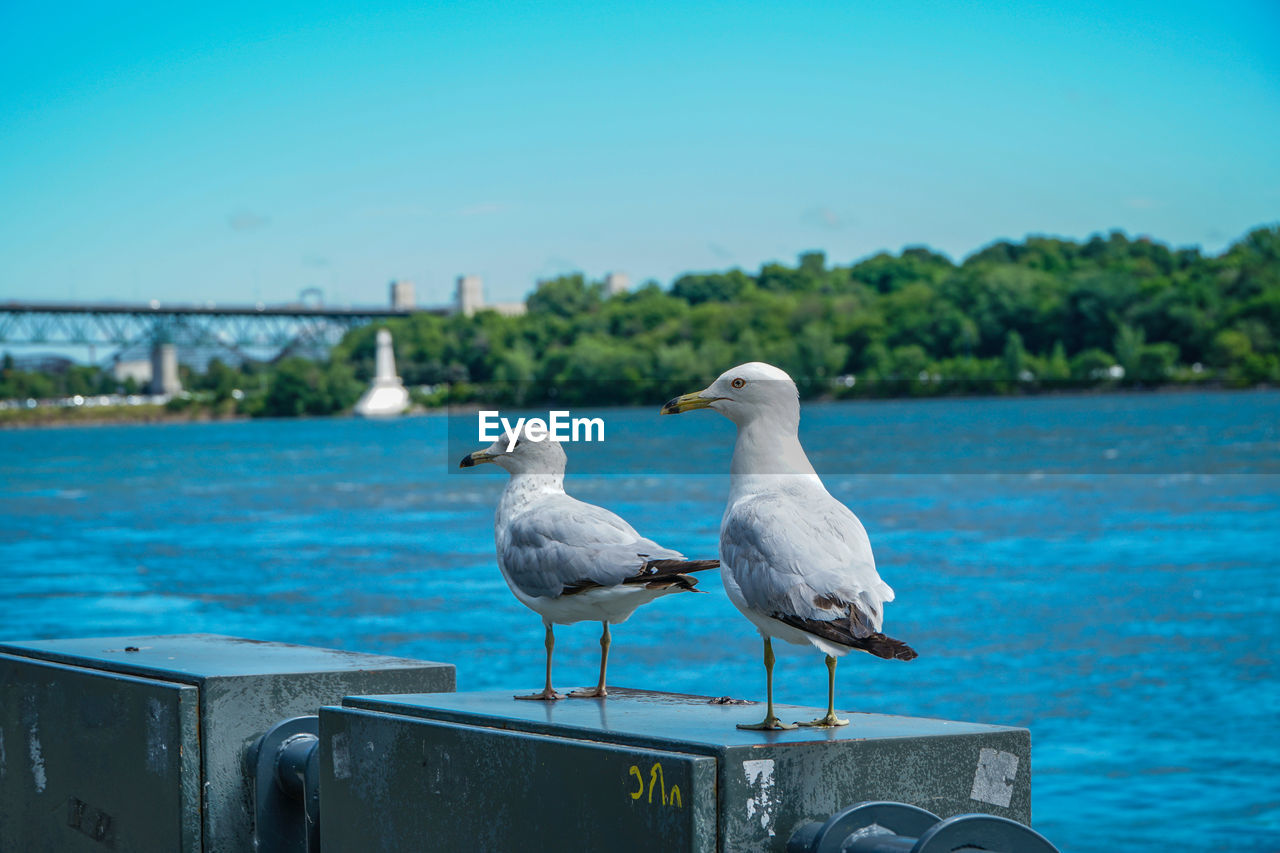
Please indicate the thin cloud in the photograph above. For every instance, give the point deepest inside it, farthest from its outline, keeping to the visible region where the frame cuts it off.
(247, 220)
(822, 217)
(1141, 203)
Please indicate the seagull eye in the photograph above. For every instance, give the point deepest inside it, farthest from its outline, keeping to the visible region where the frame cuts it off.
(738, 383)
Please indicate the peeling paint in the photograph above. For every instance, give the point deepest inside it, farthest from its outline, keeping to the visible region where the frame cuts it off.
(993, 779)
(157, 729)
(341, 757)
(37, 758)
(869, 831)
(762, 805)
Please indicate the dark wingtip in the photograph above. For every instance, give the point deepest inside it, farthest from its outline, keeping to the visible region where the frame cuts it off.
(467, 462)
(670, 407)
(661, 566)
(888, 648)
(685, 583)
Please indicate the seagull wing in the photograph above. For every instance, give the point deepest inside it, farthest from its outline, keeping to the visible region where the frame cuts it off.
(564, 545)
(801, 556)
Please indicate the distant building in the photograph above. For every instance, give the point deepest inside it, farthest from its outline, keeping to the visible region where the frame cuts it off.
(470, 295)
(509, 309)
(402, 298)
(158, 374)
(470, 299)
(164, 370)
(137, 369)
(615, 283)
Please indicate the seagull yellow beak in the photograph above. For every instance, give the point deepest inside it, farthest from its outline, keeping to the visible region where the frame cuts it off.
(473, 459)
(688, 403)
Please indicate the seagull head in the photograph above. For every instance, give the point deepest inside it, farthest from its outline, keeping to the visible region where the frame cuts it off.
(523, 456)
(745, 393)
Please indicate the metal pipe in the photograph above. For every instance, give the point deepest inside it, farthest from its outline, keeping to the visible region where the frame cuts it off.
(882, 827)
(284, 766)
(292, 759)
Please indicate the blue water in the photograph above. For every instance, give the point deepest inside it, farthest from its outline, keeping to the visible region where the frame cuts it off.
(1102, 570)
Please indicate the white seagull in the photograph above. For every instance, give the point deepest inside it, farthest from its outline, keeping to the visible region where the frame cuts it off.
(570, 561)
(796, 561)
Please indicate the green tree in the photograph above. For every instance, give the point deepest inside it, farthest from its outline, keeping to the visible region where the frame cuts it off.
(1057, 368)
(1129, 344)
(1014, 357)
(566, 296)
(301, 387)
(696, 288)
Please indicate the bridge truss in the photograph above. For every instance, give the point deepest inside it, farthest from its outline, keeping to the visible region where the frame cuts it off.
(243, 332)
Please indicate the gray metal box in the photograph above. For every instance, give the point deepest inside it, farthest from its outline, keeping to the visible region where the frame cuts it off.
(138, 742)
(637, 771)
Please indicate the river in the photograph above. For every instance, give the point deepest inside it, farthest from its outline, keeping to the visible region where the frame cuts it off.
(1101, 569)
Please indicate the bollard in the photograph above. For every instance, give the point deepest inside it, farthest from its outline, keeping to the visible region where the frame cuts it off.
(880, 827)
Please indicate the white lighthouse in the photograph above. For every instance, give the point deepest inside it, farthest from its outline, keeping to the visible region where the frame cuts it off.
(386, 396)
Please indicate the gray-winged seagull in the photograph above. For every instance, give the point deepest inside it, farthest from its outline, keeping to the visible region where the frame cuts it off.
(795, 560)
(570, 561)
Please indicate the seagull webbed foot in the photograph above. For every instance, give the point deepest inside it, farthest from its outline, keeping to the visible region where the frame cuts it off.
(547, 695)
(588, 693)
(830, 721)
(768, 724)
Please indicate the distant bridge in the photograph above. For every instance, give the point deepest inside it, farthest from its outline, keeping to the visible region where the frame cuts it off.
(238, 328)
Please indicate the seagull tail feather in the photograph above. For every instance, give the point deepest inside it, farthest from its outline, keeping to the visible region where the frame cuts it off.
(885, 647)
(663, 567)
(660, 574)
(845, 632)
(654, 574)
(683, 582)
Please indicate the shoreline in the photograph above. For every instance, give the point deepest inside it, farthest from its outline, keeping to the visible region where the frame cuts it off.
(150, 418)
(61, 418)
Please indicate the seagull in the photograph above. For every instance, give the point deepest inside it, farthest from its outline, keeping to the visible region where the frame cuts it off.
(796, 561)
(570, 561)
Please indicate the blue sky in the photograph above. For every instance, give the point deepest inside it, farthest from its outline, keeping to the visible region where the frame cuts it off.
(244, 152)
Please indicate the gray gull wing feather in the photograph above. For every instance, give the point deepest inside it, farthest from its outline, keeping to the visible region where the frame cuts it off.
(798, 552)
(562, 541)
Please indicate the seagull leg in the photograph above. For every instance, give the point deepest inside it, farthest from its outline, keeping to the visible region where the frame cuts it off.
(770, 721)
(598, 691)
(548, 693)
(830, 720)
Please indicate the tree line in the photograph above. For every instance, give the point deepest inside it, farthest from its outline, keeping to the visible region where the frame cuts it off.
(1014, 317)
(1011, 318)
